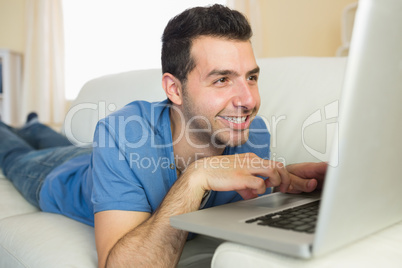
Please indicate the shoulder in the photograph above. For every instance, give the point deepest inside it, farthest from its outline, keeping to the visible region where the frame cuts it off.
(136, 120)
(258, 129)
(259, 140)
(258, 123)
(143, 109)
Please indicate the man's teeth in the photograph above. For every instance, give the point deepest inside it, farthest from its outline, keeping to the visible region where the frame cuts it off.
(237, 120)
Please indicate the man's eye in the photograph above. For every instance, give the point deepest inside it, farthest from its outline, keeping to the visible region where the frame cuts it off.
(221, 80)
(253, 78)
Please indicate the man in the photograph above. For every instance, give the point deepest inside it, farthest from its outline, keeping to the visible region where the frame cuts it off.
(206, 143)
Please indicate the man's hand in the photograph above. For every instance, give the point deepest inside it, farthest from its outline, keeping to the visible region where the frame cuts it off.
(306, 177)
(240, 173)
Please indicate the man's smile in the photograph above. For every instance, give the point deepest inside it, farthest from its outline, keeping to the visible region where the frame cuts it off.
(236, 122)
(235, 119)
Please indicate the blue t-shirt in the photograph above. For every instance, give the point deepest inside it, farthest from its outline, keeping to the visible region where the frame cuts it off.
(132, 166)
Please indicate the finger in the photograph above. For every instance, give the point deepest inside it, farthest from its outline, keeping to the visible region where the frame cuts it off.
(274, 178)
(256, 185)
(268, 183)
(247, 194)
(279, 178)
(275, 172)
(285, 178)
(309, 170)
(302, 185)
(247, 186)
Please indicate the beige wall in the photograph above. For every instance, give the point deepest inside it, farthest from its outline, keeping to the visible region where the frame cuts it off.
(302, 27)
(12, 25)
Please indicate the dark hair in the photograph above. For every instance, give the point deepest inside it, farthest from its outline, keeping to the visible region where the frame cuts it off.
(216, 20)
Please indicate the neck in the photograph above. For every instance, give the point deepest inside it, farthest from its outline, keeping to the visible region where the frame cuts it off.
(185, 148)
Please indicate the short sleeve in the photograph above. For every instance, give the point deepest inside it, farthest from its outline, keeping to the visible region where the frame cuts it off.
(115, 185)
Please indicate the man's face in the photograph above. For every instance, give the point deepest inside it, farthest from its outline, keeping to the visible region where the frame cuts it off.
(221, 96)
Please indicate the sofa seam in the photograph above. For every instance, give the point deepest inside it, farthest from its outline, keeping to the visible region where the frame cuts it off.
(19, 214)
(14, 256)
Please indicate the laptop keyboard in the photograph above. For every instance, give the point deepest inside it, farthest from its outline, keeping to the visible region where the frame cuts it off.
(301, 219)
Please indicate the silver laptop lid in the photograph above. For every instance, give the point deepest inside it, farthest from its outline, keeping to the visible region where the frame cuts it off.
(362, 192)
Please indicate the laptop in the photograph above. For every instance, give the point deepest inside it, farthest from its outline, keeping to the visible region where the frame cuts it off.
(361, 194)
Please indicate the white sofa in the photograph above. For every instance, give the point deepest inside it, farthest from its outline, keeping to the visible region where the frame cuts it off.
(299, 101)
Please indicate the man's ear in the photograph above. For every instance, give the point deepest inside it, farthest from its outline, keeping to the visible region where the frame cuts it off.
(172, 87)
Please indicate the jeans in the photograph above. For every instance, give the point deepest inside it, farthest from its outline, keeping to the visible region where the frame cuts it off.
(29, 154)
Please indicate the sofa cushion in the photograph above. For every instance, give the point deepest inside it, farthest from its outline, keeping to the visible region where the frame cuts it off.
(11, 201)
(44, 240)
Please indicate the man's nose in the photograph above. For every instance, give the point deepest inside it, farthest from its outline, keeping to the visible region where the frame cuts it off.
(245, 96)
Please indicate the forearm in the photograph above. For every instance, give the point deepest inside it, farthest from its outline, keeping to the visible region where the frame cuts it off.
(155, 243)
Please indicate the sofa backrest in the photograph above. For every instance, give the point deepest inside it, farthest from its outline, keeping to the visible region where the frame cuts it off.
(299, 102)
(101, 96)
(300, 98)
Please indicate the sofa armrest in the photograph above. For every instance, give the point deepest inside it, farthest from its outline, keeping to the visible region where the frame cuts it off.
(381, 249)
